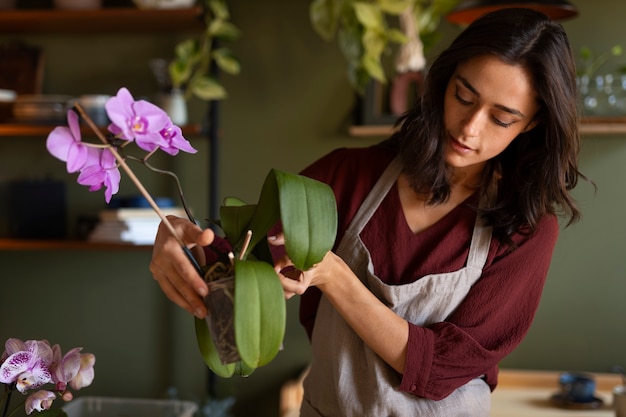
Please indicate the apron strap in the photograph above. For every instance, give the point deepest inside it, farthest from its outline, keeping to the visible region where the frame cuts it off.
(376, 196)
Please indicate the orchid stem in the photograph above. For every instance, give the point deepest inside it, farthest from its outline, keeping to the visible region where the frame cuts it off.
(122, 163)
(7, 400)
(179, 187)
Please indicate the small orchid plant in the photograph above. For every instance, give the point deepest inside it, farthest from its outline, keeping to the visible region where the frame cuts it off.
(30, 365)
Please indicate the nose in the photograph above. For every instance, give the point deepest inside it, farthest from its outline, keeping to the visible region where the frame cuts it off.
(471, 123)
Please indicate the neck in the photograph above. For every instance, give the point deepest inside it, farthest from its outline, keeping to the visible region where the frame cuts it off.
(466, 178)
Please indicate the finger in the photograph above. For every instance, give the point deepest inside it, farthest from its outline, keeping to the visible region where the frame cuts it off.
(170, 291)
(190, 278)
(291, 285)
(179, 291)
(176, 294)
(191, 234)
(171, 260)
(283, 263)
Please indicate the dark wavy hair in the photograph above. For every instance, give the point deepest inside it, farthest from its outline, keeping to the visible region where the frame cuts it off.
(536, 172)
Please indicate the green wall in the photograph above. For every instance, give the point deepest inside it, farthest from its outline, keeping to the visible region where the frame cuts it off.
(290, 105)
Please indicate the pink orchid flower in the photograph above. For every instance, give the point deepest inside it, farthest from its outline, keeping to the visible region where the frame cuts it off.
(65, 143)
(64, 369)
(40, 401)
(86, 373)
(28, 369)
(140, 120)
(101, 170)
(173, 136)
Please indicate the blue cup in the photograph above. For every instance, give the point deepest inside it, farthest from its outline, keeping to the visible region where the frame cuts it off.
(577, 387)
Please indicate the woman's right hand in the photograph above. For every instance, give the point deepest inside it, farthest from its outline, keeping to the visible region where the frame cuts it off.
(174, 272)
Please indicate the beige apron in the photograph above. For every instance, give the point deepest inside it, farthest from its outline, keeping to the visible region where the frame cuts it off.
(346, 377)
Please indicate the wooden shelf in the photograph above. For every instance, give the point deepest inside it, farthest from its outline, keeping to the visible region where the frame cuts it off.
(107, 20)
(588, 125)
(16, 129)
(603, 125)
(44, 244)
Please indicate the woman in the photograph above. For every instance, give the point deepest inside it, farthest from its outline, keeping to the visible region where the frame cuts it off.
(446, 230)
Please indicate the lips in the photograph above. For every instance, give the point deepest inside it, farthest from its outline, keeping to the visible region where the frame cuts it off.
(459, 147)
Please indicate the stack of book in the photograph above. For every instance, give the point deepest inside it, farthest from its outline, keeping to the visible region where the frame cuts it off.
(131, 225)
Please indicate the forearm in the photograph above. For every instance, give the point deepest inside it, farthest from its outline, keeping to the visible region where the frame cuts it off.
(380, 328)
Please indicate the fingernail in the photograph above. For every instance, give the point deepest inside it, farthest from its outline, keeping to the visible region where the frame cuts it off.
(202, 291)
(200, 314)
(272, 238)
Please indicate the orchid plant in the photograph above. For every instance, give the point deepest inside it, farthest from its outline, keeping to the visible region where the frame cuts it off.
(29, 366)
(305, 208)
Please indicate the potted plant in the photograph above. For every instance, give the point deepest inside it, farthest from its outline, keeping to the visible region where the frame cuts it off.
(246, 304)
(190, 71)
(247, 283)
(366, 31)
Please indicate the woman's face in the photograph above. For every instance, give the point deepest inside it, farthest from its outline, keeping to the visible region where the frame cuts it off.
(487, 104)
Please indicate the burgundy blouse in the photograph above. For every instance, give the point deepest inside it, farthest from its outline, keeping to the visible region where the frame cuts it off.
(495, 315)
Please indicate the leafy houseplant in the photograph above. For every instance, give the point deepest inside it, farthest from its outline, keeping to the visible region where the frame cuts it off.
(305, 208)
(366, 30)
(190, 70)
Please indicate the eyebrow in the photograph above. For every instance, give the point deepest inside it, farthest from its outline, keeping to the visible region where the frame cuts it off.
(500, 106)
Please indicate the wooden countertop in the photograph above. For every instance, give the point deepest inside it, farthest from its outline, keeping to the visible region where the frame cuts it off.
(527, 393)
(518, 394)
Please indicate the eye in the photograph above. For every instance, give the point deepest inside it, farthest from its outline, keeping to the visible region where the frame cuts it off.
(501, 123)
(461, 99)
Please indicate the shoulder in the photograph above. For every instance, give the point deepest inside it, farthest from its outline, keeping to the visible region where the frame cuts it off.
(351, 173)
(362, 165)
(539, 244)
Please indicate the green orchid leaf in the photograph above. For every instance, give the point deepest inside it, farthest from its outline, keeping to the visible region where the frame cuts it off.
(234, 201)
(207, 88)
(308, 214)
(267, 212)
(235, 222)
(260, 312)
(261, 252)
(241, 369)
(209, 351)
